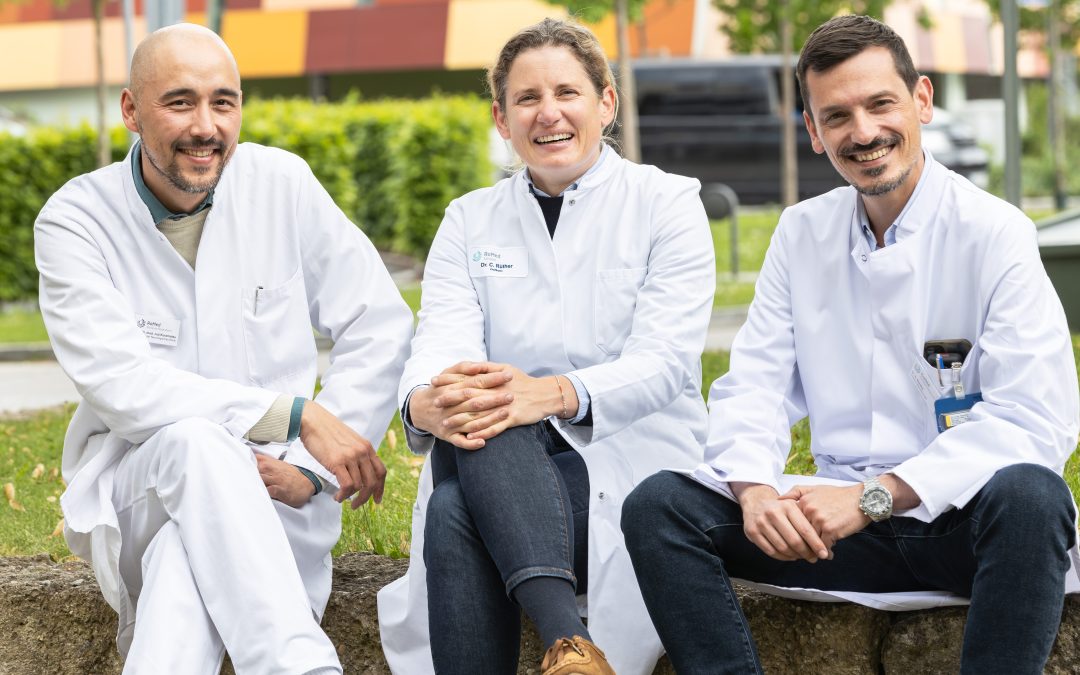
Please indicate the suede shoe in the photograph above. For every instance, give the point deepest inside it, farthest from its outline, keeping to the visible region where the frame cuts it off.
(574, 656)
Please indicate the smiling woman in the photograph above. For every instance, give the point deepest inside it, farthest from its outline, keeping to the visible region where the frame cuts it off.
(573, 297)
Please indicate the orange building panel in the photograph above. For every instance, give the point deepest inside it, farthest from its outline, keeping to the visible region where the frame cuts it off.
(40, 38)
(277, 5)
(266, 44)
(9, 13)
(381, 37)
(669, 27)
(477, 29)
(76, 68)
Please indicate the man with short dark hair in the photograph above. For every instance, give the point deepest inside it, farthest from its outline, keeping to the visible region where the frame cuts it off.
(910, 317)
(179, 288)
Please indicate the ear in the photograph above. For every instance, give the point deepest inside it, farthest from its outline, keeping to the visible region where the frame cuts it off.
(924, 99)
(127, 110)
(815, 140)
(608, 105)
(500, 120)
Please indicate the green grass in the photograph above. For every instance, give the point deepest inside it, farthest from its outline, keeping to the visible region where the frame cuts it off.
(755, 230)
(385, 528)
(30, 449)
(412, 297)
(19, 325)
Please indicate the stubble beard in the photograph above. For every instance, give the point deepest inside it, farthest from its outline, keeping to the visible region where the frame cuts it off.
(172, 172)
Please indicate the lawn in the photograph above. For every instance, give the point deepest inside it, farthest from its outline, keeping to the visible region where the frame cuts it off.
(30, 448)
(22, 325)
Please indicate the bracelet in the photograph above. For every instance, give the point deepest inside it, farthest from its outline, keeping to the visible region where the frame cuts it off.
(310, 475)
(565, 413)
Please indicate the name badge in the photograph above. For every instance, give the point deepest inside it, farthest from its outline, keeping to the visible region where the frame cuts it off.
(164, 332)
(489, 261)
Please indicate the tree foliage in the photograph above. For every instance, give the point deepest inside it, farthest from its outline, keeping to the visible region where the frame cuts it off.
(754, 25)
(1034, 19)
(594, 11)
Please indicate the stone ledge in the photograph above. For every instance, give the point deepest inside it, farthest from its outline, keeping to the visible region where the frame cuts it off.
(54, 620)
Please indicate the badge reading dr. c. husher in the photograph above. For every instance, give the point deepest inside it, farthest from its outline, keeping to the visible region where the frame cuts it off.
(159, 331)
(491, 261)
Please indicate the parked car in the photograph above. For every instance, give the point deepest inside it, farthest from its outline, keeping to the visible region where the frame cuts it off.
(720, 121)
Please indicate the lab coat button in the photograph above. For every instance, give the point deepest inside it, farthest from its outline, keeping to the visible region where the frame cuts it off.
(602, 496)
(573, 201)
(863, 257)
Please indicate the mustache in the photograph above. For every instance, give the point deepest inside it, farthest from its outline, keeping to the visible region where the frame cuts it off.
(196, 144)
(859, 148)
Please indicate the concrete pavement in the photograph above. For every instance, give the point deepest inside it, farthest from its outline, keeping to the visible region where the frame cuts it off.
(40, 383)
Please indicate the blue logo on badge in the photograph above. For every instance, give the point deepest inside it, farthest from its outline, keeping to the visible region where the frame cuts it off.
(476, 256)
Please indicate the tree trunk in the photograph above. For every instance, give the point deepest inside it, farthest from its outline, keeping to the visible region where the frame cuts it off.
(789, 158)
(631, 146)
(104, 150)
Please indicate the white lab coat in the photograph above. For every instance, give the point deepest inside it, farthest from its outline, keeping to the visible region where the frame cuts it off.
(836, 331)
(622, 299)
(108, 277)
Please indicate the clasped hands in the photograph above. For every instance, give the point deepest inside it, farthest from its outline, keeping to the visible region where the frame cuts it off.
(471, 402)
(804, 523)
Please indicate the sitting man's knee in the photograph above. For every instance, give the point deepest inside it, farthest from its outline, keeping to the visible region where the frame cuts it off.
(193, 443)
(1032, 499)
(655, 501)
(191, 430)
(1029, 486)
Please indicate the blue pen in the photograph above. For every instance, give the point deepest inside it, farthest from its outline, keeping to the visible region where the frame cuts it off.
(940, 367)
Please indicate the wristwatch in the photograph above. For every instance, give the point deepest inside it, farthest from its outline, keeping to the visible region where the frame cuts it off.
(876, 500)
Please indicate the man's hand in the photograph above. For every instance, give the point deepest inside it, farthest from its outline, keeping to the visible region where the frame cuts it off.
(833, 511)
(345, 453)
(777, 526)
(284, 481)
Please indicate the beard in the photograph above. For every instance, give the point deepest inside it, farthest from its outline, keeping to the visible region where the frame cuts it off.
(882, 187)
(207, 178)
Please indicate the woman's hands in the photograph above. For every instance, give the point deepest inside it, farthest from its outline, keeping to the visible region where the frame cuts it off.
(471, 402)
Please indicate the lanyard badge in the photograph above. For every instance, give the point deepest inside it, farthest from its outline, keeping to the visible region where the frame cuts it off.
(949, 356)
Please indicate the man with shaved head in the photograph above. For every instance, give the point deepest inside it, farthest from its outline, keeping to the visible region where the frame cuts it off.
(180, 287)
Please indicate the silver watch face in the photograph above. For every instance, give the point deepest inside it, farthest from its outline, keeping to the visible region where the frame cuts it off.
(876, 502)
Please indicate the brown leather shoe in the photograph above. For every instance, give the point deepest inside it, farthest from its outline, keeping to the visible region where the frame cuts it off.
(574, 656)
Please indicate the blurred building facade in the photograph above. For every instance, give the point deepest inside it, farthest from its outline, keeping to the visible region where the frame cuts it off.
(325, 48)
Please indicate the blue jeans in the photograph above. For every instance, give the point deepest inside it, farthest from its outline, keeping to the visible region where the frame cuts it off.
(515, 509)
(1007, 550)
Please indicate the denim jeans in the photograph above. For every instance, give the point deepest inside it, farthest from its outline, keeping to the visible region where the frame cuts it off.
(515, 509)
(1007, 550)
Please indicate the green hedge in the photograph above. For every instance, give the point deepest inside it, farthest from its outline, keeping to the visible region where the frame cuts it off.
(392, 166)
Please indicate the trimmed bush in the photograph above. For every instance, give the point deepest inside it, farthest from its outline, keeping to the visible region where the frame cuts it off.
(392, 166)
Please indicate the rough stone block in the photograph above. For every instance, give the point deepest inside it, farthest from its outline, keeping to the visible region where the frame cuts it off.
(53, 620)
(929, 641)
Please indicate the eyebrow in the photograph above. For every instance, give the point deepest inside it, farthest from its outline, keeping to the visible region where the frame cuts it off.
(188, 91)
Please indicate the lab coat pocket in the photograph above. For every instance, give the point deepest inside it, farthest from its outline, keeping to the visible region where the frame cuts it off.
(277, 330)
(616, 292)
